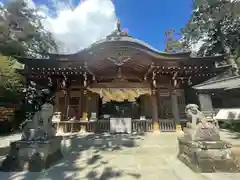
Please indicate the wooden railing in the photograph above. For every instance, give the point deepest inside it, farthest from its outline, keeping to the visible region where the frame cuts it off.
(167, 125)
(76, 126)
(142, 125)
(100, 126)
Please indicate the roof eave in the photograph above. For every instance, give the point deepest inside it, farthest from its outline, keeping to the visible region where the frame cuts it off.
(214, 83)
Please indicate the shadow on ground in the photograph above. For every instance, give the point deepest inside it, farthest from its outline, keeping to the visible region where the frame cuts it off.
(88, 158)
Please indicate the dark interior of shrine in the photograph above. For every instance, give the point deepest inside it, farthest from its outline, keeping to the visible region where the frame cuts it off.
(120, 109)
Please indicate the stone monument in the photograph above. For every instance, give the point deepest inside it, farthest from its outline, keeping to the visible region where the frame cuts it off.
(201, 148)
(38, 147)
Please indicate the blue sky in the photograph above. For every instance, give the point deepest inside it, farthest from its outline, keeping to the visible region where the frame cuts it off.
(145, 19)
(148, 19)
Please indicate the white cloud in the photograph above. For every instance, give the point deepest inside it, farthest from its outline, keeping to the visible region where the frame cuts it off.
(77, 28)
(30, 3)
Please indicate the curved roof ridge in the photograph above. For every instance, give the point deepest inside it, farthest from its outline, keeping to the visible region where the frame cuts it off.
(122, 36)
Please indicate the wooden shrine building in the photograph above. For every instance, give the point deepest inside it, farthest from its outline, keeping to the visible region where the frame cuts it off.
(121, 76)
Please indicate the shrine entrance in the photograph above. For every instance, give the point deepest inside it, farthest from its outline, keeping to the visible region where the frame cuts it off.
(120, 109)
(120, 102)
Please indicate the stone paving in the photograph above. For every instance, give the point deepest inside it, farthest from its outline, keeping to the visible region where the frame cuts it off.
(120, 157)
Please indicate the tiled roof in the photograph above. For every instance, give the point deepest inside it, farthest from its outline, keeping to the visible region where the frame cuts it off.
(224, 83)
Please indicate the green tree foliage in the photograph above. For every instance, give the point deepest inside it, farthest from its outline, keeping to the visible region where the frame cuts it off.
(21, 31)
(172, 44)
(21, 34)
(10, 81)
(217, 24)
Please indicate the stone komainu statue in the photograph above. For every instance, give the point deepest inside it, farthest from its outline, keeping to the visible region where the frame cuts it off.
(40, 127)
(39, 148)
(198, 128)
(201, 148)
(194, 115)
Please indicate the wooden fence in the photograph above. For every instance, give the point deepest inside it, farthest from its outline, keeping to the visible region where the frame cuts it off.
(100, 126)
(167, 125)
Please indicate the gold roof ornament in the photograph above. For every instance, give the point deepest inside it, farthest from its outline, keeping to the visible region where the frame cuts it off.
(119, 26)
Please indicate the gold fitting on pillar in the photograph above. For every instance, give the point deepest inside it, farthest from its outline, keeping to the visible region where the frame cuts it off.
(156, 126)
(178, 128)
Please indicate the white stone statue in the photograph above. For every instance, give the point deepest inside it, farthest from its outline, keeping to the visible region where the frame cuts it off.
(40, 127)
(195, 115)
(198, 128)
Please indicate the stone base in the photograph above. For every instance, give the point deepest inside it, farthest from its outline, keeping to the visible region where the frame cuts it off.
(201, 134)
(207, 156)
(33, 156)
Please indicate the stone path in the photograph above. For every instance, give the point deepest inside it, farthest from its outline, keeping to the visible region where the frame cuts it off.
(148, 157)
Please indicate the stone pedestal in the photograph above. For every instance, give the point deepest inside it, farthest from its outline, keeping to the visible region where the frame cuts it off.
(33, 156)
(207, 156)
(201, 133)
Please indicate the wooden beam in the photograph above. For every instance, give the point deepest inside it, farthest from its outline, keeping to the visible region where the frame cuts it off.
(152, 66)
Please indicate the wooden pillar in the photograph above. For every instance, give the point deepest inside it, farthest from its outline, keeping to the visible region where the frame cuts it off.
(84, 110)
(85, 105)
(56, 103)
(175, 109)
(82, 102)
(93, 103)
(66, 104)
(205, 101)
(156, 127)
(80, 105)
(68, 101)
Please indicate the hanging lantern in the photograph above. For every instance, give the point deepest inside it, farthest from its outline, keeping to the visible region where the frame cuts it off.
(153, 79)
(85, 79)
(154, 83)
(49, 81)
(189, 81)
(174, 83)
